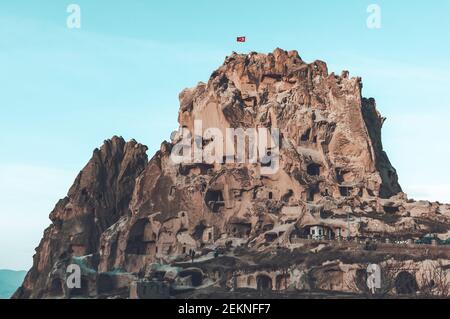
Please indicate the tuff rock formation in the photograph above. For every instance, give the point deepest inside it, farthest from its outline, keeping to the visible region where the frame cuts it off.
(130, 223)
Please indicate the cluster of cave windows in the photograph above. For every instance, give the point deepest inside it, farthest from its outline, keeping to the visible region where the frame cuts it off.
(241, 230)
(215, 201)
(255, 195)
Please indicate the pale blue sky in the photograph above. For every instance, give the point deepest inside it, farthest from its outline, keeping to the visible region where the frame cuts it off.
(63, 91)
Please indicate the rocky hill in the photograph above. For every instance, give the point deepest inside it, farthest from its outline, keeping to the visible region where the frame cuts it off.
(132, 224)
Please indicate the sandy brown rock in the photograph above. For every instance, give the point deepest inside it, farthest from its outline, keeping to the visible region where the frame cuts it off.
(124, 215)
(99, 196)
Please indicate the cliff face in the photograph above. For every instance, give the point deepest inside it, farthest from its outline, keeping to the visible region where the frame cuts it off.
(323, 117)
(126, 214)
(99, 197)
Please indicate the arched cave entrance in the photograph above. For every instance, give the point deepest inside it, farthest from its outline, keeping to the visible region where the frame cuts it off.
(137, 243)
(195, 274)
(263, 283)
(405, 283)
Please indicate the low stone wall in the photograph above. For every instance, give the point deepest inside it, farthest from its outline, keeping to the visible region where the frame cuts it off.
(380, 246)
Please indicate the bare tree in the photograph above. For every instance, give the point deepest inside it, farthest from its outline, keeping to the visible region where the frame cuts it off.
(358, 282)
(391, 283)
(435, 282)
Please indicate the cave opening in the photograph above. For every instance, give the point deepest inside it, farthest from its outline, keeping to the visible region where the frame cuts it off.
(56, 287)
(214, 200)
(345, 190)
(138, 243)
(282, 281)
(391, 210)
(241, 230)
(105, 283)
(270, 237)
(267, 160)
(405, 283)
(196, 276)
(311, 193)
(305, 136)
(313, 169)
(287, 196)
(343, 175)
(263, 283)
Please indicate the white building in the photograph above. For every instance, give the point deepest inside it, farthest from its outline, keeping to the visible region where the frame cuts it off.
(319, 232)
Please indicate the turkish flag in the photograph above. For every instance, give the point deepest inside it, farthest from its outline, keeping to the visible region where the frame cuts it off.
(240, 39)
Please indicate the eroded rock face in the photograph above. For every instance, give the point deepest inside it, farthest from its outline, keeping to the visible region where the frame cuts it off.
(99, 197)
(124, 214)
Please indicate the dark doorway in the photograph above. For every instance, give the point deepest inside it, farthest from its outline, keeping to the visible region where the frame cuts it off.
(345, 191)
(311, 193)
(56, 288)
(391, 210)
(263, 283)
(214, 200)
(361, 280)
(313, 169)
(136, 243)
(305, 136)
(282, 282)
(406, 284)
(196, 276)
